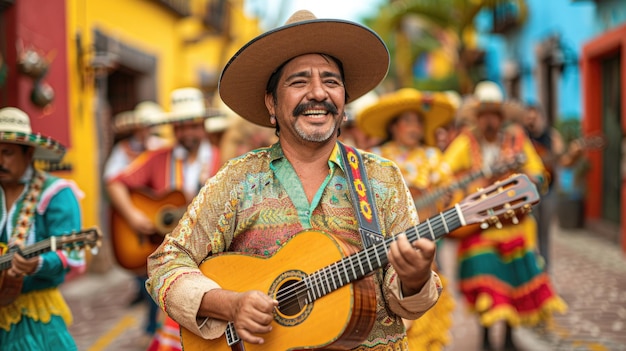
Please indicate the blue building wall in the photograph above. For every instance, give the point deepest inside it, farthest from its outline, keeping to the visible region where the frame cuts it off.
(575, 22)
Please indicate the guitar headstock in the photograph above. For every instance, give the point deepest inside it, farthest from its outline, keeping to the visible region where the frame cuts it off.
(504, 200)
(593, 141)
(90, 238)
(517, 161)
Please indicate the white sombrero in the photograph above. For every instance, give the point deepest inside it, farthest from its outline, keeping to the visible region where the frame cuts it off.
(188, 104)
(362, 52)
(146, 113)
(15, 128)
(488, 97)
(223, 120)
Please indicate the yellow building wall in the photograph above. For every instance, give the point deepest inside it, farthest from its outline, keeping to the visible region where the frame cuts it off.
(151, 28)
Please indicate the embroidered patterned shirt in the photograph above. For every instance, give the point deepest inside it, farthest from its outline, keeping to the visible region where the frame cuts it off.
(255, 205)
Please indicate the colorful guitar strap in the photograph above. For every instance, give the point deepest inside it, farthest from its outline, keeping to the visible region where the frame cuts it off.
(27, 213)
(362, 195)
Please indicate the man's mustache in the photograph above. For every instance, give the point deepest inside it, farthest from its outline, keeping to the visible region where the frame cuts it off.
(4, 170)
(324, 105)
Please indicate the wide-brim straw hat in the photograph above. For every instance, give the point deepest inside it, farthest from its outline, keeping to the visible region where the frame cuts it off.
(356, 106)
(488, 97)
(125, 122)
(363, 54)
(188, 104)
(146, 113)
(222, 122)
(15, 128)
(435, 107)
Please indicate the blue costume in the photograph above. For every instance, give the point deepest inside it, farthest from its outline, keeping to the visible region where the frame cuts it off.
(38, 318)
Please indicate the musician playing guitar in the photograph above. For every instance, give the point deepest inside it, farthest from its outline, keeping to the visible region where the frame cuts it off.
(298, 79)
(179, 168)
(36, 206)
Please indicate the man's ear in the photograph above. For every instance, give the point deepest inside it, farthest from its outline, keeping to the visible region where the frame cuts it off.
(269, 103)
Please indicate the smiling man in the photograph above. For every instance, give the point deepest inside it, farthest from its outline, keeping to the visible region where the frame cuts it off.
(279, 199)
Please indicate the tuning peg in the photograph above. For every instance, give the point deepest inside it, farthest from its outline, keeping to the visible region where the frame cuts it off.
(95, 250)
(510, 214)
(514, 219)
(484, 225)
(498, 225)
(495, 221)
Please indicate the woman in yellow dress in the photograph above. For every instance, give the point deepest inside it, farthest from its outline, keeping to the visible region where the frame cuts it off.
(406, 120)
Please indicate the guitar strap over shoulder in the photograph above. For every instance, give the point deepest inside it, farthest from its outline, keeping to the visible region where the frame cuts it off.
(27, 213)
(362, 195)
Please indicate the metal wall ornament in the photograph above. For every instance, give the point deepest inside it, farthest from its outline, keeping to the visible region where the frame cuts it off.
(42, 94)
(35, 66)
(32, 64)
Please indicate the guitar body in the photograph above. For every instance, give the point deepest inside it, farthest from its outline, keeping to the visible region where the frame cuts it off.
(340, 320)
(131, 250)
(10, 288)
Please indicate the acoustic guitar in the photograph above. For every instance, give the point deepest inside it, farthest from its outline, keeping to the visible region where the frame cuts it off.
(325, 291)
(428, 198)
(131, 250)
(11, 287)
(425, 201)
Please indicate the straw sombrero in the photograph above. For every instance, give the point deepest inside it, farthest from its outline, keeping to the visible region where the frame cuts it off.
(188, 104)
(488, 97)
(224, 120)
(356, 106)
(362, 52)
(15, 128)
(435, 107)
(124, 122)
(146, 113)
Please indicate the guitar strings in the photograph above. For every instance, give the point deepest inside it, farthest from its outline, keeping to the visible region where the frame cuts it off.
(318, 283)
(321, 280)
(451, 218)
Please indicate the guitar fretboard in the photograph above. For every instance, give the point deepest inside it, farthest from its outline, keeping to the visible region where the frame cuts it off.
(29, 252)
(430, 197)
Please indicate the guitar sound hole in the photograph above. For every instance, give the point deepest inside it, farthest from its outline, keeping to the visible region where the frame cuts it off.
(168, 219)
(292, 297)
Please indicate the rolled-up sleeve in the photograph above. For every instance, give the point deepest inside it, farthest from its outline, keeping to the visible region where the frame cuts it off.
(175, 280)
(414, 306)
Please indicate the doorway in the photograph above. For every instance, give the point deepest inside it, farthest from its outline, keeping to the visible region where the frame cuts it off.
(612, 130)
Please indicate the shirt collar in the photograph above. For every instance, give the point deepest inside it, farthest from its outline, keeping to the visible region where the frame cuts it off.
(276, 154)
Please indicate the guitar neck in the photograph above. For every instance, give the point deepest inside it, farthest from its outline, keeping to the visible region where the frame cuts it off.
(430, 197)
(29, 252)
(362, 263)
(85, 238)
